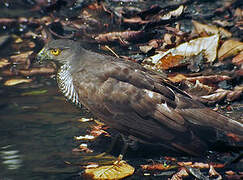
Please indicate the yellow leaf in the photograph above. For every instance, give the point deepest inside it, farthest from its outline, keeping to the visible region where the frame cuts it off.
(4, 62)
(230, 48)
(13, 82)
(177, 78)
(85, 119)
(119, 170)
(21, 57)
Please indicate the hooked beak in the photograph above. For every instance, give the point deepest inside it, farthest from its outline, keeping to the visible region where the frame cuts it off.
(41, 55)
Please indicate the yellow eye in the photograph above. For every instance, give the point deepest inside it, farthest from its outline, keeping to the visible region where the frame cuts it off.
(55, 52)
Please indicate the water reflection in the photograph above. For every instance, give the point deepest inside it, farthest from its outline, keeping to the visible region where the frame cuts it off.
(37, 134)
(11, 158)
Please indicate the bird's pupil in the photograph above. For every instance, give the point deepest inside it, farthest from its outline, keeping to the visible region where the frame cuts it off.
(55, 52)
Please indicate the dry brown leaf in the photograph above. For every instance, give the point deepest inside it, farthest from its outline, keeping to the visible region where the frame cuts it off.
(3, 62)
(230, 172)
(169, 61)
(84, 147)
(21, 57)
(118, 170)
(98, 130)
(174, 13)
(184, 163)
(29, 72)
(145, 49)
(230, 48)
(233, 95)
(234, 137)
(213, 172)
(122, 37)
(180, 175)
(211, 79)
(199, 89)
(160, 167)
(238, 60)
(207, 45)
(211, 29)
(220, 94)
(135, 20)
(13, 82)
(177, 78)
(167, 38)
(200, 165)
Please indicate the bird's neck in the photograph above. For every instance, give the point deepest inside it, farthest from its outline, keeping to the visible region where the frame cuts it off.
(65, 83)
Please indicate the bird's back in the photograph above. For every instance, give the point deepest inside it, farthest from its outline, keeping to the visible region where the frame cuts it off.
(143, 104)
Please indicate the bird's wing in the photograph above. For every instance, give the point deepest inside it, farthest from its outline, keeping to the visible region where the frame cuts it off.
(140, 103)
(175, 105)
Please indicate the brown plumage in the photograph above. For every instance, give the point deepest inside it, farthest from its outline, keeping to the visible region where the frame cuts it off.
(136, 101)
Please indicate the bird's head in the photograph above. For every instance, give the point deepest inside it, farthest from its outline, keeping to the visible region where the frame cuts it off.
(61, 50)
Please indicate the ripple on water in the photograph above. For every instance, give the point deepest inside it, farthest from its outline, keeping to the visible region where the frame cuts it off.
(10, 158)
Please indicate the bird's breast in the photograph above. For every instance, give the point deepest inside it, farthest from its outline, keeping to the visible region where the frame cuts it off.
(65, 83)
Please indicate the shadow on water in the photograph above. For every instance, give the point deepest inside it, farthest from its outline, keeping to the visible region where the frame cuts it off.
(37, 134)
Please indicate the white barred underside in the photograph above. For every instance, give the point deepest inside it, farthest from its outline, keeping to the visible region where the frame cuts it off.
(65, 83)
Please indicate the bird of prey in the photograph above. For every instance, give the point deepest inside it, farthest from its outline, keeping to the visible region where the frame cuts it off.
(137, 102)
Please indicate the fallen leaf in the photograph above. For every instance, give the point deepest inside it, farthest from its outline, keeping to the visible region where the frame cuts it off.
(13, 82)
(211, 29)
(135, 20)
(207, 45)
(21, 57)
(238, 60)
(234, 137)
(217, 96)
(85, 137)
(180, 175)
(211, 79)
(196, 173)
(122, 37)
(221, 94)
(118, 170)
(167, 38)
(199, 89)
(3, 62)
(85, 119)
(234, 95)
(213, 172)
(160, 167)
(84, 148)
(230, 172)
(200, 165)
(145, 49)
(29, 72)
(184, 163)
(98, 130)
(177, 78)
(170, 61)
(230, 48)
(174, 13)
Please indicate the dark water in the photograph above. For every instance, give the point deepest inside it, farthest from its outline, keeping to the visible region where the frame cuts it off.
(37, 134)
